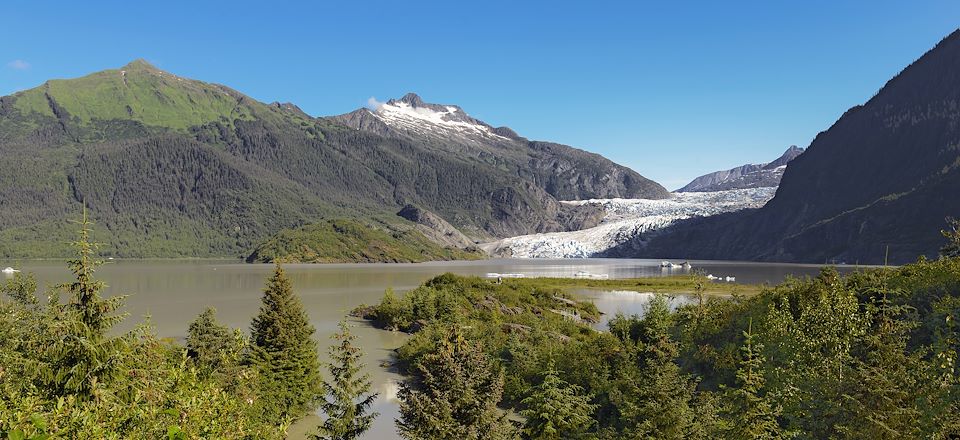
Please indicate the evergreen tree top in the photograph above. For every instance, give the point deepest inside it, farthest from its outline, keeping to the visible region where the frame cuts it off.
(282, 320)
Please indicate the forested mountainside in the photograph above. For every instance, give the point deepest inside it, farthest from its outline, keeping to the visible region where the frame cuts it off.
(885, 175)
(763, 175)
(174, 167)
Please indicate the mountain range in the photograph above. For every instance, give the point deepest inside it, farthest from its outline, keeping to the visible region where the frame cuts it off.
(764, 175)
(875, 187)
(174, 167)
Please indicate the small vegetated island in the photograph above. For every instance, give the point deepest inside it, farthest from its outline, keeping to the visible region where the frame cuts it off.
(351, 241)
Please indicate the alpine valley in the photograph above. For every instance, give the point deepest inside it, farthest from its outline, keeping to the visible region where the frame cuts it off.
(876, 187)
(634, 221)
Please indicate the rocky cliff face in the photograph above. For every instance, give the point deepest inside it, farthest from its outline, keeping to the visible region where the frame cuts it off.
(764, 175)
(435, 228)
(883, 177)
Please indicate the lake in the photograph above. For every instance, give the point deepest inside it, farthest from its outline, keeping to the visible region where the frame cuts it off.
(173, 293)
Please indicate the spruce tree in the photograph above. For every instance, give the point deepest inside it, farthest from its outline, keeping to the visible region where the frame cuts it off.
(556, 409)
(84, 355)
(455, 397)
(95, 312)
(284, 353)
(208, 342)
(652, 395)
(881, 402)
(752, 415)
(348, 396)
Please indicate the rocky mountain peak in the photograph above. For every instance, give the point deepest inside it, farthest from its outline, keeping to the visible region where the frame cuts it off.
(410, 98)
(785, 158)
(412, 101)
(764, 175)
(411, 115)
(564, 172)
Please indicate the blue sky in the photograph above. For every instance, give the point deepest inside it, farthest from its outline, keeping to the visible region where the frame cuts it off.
(671, 89)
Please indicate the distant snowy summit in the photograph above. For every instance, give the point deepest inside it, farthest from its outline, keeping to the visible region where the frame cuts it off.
(410, 115)
(764, 175)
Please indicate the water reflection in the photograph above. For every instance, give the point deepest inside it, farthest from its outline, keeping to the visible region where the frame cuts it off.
(627, 303)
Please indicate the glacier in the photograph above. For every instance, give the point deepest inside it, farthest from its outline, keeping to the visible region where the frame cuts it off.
(625, 219)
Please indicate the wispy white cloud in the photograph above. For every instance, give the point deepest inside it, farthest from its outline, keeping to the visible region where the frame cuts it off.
(373, 104)
(18, 65)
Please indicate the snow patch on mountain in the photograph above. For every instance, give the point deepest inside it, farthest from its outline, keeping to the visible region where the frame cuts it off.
(433, 120)
(626, 219)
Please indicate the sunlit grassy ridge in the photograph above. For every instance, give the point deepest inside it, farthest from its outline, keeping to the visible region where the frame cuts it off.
(139, 92)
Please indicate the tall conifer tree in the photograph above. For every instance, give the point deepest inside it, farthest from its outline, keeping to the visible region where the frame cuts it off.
(86, 355)
(456, 397)
(753, 416)
(284, 353)
(556, 409)
(348, 396)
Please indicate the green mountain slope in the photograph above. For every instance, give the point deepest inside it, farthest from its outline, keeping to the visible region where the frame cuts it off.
(140, 93)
